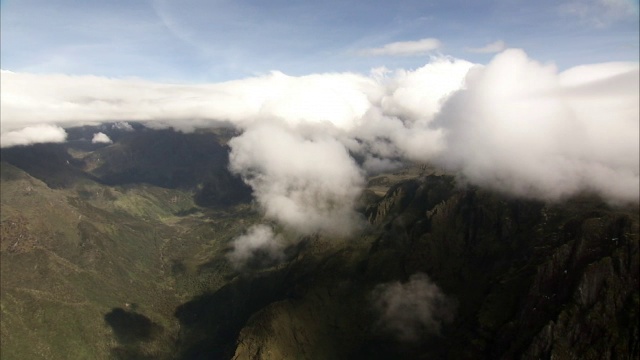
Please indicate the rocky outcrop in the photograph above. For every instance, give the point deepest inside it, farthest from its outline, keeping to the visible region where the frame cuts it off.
(595, 285)
(528, 280)
(533, 280)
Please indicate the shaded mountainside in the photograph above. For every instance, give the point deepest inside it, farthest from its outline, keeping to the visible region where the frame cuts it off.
(529, 281)
(162, 158)
(118, 251)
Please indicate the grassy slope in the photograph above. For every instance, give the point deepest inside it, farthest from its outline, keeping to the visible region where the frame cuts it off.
(70, 255)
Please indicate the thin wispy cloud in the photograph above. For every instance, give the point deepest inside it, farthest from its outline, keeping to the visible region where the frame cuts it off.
(198, 41)
(412, 310)
(601, 13)
(259, 240)
(404, 48)
(490, 48)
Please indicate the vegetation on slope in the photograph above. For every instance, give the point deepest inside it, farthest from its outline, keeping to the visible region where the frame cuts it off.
(119, 251)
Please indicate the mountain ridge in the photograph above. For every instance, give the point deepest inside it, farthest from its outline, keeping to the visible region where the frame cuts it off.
(528, 279)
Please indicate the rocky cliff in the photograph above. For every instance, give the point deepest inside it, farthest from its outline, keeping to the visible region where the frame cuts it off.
(528, 280)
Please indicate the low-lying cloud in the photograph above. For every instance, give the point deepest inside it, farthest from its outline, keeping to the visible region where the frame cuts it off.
(28, 135)
(101, 138)
(308, 183)
(412, 310)
(259, 240)
(513, 125)
(338, 99)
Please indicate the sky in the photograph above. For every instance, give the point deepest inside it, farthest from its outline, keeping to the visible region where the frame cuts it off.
(202, 41)
(531, 99)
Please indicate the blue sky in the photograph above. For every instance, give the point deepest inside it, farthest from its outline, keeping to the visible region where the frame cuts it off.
(198, 41)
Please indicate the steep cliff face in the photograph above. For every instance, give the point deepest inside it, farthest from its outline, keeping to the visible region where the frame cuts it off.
(532, 280)
(527, 279)
(593, 282)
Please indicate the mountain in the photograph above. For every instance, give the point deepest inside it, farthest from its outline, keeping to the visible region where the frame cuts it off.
(119, 251)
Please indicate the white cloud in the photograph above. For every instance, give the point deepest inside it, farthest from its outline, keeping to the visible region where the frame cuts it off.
(493, 47)
(522, 128)
(33, 135)
(398, 124)
(413, 309)
(418, 94)
(340, 99)
(404, 48)
(101, 138)
(123, 126)
(308, 184)
(514, 125)
(259, 240)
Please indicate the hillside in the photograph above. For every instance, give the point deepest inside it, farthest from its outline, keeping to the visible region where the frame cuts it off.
(119, 251)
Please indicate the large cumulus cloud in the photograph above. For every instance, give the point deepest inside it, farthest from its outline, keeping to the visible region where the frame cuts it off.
(521, 127)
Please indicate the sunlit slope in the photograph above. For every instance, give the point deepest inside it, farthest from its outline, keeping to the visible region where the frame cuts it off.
(71, 254)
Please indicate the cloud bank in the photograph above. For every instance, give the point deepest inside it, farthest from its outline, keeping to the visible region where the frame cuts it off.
(513, 125)
(340, 99)
(413, 309)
